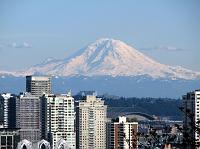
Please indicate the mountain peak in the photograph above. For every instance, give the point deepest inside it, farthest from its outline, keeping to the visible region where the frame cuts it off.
(110, 57)
(108, 42)
(105, 40)
(108, 46)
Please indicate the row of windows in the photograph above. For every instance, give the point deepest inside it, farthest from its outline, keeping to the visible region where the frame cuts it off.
(6, 140)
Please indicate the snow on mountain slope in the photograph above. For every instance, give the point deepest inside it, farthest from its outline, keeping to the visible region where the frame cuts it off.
(109, 57)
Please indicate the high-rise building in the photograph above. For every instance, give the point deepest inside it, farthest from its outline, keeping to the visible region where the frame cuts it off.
(38, 85)
(191, 109)
(9, 110)
(28, 117)
(91, 116)
(122, 133)
(60, 119)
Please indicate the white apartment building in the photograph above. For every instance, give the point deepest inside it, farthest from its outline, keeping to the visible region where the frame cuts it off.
(60, 117)
(91, 116)
(5, 97)
(191, 108)
(122, 133)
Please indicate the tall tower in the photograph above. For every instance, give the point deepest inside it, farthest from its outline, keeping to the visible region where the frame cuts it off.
(91, 116)
(28, 117)
(191, 122)
(9, 110)
(60, 119)
(122, 133)
(38, 85)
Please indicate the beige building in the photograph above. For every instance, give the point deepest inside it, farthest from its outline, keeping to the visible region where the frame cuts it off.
(91, 116)
(122, 133)
(38, 85)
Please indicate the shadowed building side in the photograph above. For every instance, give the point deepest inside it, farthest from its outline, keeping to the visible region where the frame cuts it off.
(38, 85)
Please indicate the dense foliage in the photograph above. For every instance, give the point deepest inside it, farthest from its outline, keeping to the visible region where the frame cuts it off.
(162, 107)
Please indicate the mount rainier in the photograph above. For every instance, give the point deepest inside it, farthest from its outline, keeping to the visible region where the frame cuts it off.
(108, 57)
(117, 68)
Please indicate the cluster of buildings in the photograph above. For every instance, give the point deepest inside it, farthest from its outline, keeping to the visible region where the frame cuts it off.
(191, 121)
(38, 119)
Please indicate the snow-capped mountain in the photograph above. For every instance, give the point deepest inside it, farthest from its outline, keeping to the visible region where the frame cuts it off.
(108, 57)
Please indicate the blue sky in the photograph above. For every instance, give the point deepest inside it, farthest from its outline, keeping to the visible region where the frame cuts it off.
(31, 31)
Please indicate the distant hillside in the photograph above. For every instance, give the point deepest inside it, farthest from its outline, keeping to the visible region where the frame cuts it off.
(163, 107)
(120, 86)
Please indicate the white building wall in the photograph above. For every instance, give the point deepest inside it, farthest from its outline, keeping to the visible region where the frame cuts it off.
(61, 117)
(6, 97)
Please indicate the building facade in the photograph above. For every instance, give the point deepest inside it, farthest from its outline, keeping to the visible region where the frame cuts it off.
(122, 133)
(91, 116)
(9, 137)
(38, 85)
(60, 119)
(191, 121)
(9, 110)
(28, 117)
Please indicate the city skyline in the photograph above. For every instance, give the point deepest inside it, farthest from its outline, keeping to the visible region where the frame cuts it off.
(162, 30)
(141, 57)
(53, 120)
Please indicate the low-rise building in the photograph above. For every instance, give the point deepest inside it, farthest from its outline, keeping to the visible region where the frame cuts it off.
(122, 133)
(9, 137)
